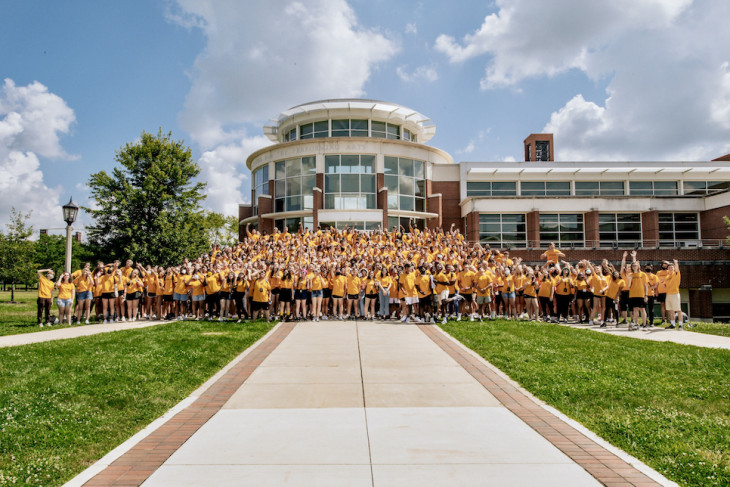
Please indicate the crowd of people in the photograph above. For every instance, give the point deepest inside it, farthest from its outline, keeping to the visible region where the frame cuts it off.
(403, 274)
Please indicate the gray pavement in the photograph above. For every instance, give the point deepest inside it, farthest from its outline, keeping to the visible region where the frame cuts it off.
(73, 332)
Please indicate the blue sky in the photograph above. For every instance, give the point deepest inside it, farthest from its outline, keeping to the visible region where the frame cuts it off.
(621, 80)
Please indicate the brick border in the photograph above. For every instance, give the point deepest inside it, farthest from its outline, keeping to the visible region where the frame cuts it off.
(142, 460)
(604, 465)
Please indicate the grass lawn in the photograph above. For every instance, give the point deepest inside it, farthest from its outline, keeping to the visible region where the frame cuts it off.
(65, 404)
(721, 329)
(20, 317)
(666, 404)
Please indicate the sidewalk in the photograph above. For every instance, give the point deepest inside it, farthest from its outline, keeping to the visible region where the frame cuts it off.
(367, 404)
(660, 334)
(73, 332)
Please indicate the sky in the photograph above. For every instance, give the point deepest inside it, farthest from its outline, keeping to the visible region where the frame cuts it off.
(625, 80)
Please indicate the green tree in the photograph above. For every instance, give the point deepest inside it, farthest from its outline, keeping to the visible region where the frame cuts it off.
(50, 253)
(727, 222)
(148, 208)
(221, 229)
(17, 265)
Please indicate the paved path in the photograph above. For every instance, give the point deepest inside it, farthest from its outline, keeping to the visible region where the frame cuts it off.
(660, 334)
(73, 332)
(367, 404)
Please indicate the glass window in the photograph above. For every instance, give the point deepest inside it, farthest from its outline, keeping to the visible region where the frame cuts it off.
(532, 188)
(294, 184)
(619, 229)
(561, 228)
(653, 188)
(306, 131)
(321, 129)
(260, 185)
(290, 135)
(503, 230)
(599, 188)
(392, 131)
(545, 188)
(704, 187)
(349, 182)
(406, 183)
(678, 228)
(487, 188)
(358, 128)
(586, 188)
(377, 129)
(340, 128)
(292, 224)
(717, 186)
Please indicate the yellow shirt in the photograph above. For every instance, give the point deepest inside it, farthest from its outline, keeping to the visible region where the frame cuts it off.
(66, 290)
(197, 286)
(466, 281)
(637, 290)
(484, 284)
(673, 281)
(181, 284)
(261, 289)
(212, 283)
(563, 286)
(107, 282)
(338, 286)
(353, 285)
(45, 287)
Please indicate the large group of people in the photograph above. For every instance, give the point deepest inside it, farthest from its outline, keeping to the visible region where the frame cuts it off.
(403, 274)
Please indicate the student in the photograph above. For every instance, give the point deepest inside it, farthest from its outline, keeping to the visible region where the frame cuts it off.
(673, 304)
(318, 283)
(65, 299)
(638, 289)
(261, 292)
(45, 295)
(107, 283)
(134, 287)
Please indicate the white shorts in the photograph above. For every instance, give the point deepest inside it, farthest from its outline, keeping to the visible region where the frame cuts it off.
(673, 303)
(413, 300)
(394, 301)
(444, 295)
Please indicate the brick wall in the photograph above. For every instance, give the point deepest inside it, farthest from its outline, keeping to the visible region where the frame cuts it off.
(712, 224)
(650, 226)
(700, 303)
(244, 211)
(450, 203)
(434, 204)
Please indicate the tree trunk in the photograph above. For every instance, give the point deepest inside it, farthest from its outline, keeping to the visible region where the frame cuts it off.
(12, 292)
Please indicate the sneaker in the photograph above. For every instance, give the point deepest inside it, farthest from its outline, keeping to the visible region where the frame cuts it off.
(86, 322)
(590, 322)
(670, 327)
(40, 324)
(471, 318)
(106, 322)
(458, 317)
(404, 319)
(443, 321)
(679, 327)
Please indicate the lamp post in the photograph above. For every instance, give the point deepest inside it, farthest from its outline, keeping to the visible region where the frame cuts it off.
(70, 211)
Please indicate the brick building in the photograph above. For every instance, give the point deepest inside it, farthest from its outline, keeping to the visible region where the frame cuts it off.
(365, 163)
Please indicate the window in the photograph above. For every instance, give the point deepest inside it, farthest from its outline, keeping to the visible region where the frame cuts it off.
(260, 185)
(292, 224)
(404, 221)
(408, 135)
(677, 228)
(705, 187)
(367, 226)
(622, 229)
(290, 135)
(349, 182)
(294, 184)
(545, 188)
(561, 228)
(542, 150)
(599, 188)
(503, 230)
(491, 188)
(406, 183)
(349, 128)
(314, 130)
(653, 188)
(383, 130)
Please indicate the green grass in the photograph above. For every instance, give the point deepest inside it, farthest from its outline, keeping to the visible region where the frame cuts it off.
(664, 403)
(720, 329)
(20, 316)
(65, 404)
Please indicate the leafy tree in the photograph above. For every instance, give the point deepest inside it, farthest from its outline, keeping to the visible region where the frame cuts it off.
(148, 208)
(17, 252)
(727, 222)
(50, 253)
(221, 229)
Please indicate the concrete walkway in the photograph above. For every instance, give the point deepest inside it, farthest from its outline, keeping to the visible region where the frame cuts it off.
(73, 332)
(367, 404)
(661, 334)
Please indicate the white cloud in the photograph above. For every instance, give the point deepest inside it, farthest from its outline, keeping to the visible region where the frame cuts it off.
(427, 73)
(224, 169)
(261, 58)
(411, 28)
(31, 122)
(665, 64)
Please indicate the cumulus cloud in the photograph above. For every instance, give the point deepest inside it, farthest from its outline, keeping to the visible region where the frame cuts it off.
(664, 62)
(427, 73)
(262, 57)
(31, 122)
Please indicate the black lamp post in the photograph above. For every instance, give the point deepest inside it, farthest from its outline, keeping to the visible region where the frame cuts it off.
(70, 212)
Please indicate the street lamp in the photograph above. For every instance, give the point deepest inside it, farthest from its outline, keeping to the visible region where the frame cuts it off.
(70, 211)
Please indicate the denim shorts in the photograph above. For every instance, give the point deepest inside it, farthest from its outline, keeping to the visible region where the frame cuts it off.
(64, 303)
(198, 297)
(317, 294)
(508, 295)
(82, 295)
(181, 297)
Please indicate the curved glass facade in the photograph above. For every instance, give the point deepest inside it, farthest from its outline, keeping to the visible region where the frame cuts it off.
(349, 182)
(406, 183)
(294, 184)
(260, 184)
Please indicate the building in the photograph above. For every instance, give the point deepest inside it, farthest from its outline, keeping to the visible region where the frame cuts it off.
(365, 164)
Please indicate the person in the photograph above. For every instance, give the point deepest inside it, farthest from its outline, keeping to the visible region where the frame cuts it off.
(529, 291)
(261, 293)
(84, 297)
(385, 283)
(133, 289)
(65, 299)
(484, 292)
(107, 282)
(673, 302)
(181, 290)
(552, 255)
(638, 289)
(197, 284)
(318, 283)
(563, 292)
(371, 295)
(45, 296)
(339, 284)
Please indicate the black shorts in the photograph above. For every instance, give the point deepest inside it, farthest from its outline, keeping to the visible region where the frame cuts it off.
(150, 295)
(334, 296)
(301, 294)
(425, 301)
(275, 291)
(636, 303)
(259, 305)
(468, 298)
(226, 295)
(583, 295)
(624, 300)
(371, 296)
(107, 296)
(661, 297)
(353, 296)
(519, 294)
(167, 298)
(285, 296)
(326, 293)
